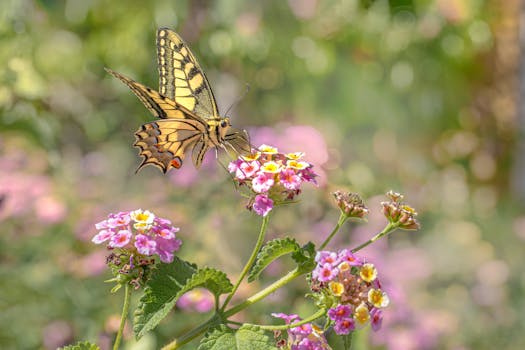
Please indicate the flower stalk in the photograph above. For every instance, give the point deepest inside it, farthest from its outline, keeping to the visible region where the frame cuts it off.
(251, 260)
(124, 316)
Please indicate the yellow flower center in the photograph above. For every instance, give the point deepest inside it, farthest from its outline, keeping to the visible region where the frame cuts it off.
(368, 273)
(336, 288)
(271, 167)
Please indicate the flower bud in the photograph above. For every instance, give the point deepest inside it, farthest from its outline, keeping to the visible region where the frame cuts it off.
(351, 204)
(403, 215)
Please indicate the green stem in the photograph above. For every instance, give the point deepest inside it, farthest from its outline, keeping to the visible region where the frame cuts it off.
(186, 338)
(388, 229)
(264, 292)
(251, 260)
(340, 222)
(125, 309)
(319, 313)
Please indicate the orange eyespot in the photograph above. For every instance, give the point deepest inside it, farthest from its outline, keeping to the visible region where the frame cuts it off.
(176, 162)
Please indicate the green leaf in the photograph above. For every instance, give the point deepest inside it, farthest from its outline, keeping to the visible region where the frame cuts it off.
(305, 257)
(81, 346)
(246, 337)
(270, 252)
(167, 284)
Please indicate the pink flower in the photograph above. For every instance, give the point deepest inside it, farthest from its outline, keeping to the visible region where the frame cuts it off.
(344, 326)
(118, 220)
(262, 204)
(346, 255)
(290, 179)
(287, 318)
(145, 245)
(248, 169)
(325, 273)
(340, 312)
(262, 182)
(309, 175)
(198, 299)
(102, 236)
(327, 257)
(166, 247)
(376, 316)
(120, 239)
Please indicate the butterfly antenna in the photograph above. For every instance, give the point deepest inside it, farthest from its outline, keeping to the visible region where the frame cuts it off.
(239, 99)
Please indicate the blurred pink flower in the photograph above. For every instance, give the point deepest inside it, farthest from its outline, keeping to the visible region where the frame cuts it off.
(197, 300)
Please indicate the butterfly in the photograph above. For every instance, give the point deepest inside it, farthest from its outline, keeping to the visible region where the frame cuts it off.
(189, 119)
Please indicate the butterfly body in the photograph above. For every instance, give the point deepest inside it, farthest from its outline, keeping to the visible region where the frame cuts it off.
(186, 108)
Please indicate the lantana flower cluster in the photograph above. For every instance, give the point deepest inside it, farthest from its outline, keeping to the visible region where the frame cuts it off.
(139, 233)
(353, 287)
(272, 177)
(303, 337)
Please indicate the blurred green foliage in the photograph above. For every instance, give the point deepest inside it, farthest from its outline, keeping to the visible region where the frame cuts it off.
(408, 94)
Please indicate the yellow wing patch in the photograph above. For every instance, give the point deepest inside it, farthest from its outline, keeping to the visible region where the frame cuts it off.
(180, 76)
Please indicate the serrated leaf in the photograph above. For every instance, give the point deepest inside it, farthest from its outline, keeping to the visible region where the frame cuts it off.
(271, 251)
(81, 346)
(305, 257)
(167, 284)
(246, 337)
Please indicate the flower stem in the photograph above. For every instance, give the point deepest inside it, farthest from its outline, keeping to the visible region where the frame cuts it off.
(125, 309)
(388, 229)
(319, 313)
(186, 338)
(340, 222)
(264, 292)
(251, 260)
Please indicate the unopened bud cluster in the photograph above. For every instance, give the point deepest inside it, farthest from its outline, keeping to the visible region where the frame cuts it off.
(399, 213)
(351, 204)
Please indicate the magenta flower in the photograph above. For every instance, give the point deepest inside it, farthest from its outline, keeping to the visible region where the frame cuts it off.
(325, 273)
(325, 257)
(287, 318)
(346, 255)
(340, 312)
(262, 205)
(145, 245)
(102, 236)
(290, 179)
(344, 326)
(376, 316)
(249, 169)
(120, 239)
(262, 182)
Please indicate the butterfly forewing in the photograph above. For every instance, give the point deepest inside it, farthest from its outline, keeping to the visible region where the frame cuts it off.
(180, 76)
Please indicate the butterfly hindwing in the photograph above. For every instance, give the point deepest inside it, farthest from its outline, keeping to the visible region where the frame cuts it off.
(180, 76)
(164, 143)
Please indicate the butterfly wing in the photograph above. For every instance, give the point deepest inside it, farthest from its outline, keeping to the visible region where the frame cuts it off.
(163, 143)
(180, 76)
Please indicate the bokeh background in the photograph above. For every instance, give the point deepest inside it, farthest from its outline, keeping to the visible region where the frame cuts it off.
(419, 96)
